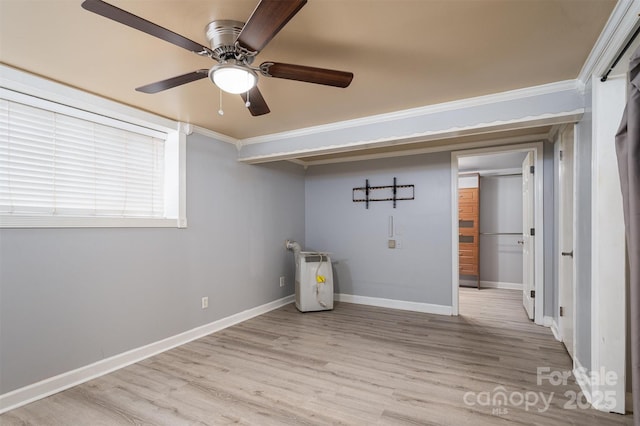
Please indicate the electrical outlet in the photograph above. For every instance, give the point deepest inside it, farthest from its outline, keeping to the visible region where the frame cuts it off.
(392, 244)
(205, 302)
(281, 281)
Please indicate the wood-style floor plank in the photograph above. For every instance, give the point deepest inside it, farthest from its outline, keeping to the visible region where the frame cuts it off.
(355, 365)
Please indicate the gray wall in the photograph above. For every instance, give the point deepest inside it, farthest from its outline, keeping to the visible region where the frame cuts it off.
(419, 271)
(501, 212)
(582, 247)
(70, 297)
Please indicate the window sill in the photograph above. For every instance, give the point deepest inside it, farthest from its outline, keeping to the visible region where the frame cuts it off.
(88, 222)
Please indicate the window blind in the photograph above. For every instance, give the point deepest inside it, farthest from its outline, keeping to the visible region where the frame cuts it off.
(52, 164)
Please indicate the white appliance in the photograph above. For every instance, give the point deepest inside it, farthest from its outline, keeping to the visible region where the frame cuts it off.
(314, 279)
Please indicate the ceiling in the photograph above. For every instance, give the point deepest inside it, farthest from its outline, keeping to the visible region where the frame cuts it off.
(404, 54)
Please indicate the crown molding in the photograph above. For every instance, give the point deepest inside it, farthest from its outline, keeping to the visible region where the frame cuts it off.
(215, 135)
(611, 39)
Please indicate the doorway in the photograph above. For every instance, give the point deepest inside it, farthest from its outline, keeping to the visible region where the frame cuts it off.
(503, 235)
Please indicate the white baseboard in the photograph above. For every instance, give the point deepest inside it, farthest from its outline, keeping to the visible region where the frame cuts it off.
(498, 284)
(584, 381)
(551, 323)
(44, 388)
(395, 304)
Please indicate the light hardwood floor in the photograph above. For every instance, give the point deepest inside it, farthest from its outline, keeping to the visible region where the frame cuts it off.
(356, 365)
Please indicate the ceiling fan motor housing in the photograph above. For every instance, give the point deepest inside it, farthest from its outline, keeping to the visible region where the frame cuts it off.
(222, 35)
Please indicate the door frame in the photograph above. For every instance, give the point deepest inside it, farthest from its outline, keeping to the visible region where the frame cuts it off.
(528, 240)
(537, 149)
(608, 248)
(574, 230)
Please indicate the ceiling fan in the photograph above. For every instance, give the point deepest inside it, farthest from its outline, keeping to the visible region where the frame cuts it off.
(234, 46)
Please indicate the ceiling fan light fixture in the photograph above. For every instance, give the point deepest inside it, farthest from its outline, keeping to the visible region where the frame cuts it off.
(233, 77)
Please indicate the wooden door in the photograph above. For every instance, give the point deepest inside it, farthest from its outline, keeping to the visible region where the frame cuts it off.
(468, 229)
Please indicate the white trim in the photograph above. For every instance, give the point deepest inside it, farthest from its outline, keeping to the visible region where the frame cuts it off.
(496, 172)
(583, 378)
(424, 110)
(299, 162)
(553, 325)
(431, 135)
(538, 150)
(555, 331)
(50, 386)
(608, 278)
(620, 23)
(455, 238)
(215, 135)
(7, 221)
(502, 285)
(574, 272)
(182, 181)
(561, 243)
(539, 227)
(428, 308)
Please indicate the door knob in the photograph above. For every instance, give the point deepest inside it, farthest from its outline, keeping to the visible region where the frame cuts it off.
(568, 253)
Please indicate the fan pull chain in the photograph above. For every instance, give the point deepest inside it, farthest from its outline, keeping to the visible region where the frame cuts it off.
(248, 103)
(220, 111)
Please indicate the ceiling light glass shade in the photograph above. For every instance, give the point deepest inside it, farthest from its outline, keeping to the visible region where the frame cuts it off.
(233, 78)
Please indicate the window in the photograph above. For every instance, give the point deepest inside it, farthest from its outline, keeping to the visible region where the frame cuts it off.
(65, 166)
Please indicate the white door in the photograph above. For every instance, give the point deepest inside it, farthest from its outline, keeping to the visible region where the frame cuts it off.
(528, 240)
(566, 314)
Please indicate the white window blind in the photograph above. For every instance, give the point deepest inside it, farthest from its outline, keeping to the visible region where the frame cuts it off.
(52, 164)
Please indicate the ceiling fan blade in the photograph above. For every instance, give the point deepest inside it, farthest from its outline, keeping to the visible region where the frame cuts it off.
(116, 14)
(307, 74)
(179, 80)
(258, 106)
(268, 18)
